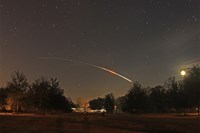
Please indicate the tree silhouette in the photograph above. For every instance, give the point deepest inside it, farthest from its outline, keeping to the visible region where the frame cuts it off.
(17, 88)
(175, 94)
(136, 98)
(192, 87)
(121, 103)
(97, 103)
(40, 97)
(157, 98)
(109, 102)
(3, 99)
(47, 95)
(57, 99)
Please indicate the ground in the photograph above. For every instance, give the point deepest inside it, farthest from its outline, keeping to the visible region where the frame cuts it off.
(97, 123)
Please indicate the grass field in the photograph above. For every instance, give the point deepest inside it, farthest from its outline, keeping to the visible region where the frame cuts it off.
(96, 123)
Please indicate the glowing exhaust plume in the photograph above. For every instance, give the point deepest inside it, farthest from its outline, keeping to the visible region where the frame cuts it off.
(112, 72)
(92, 65)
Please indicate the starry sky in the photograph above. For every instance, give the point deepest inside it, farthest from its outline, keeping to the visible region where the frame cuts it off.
(144, 40)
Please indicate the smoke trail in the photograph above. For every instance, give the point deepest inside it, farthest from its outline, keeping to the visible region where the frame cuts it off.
(92, 65)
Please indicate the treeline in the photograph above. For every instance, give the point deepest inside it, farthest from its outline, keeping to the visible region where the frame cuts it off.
(46, 95)
(173, 96)
(41, 96)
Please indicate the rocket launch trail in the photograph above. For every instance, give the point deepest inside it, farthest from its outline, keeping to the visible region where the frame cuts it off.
(92, 65)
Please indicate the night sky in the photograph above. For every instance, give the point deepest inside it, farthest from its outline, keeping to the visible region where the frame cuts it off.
(144, 40)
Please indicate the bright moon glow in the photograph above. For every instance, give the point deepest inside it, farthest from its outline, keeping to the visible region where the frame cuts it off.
(183, 73)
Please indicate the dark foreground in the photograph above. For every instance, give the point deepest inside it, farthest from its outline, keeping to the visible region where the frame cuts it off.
(96, 123)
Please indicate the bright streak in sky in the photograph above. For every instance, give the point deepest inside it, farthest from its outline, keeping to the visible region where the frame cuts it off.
(115, 73)
(92, 65)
